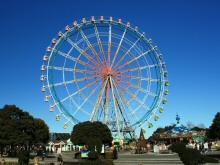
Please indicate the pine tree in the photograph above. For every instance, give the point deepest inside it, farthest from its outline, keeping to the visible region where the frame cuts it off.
(214, 129)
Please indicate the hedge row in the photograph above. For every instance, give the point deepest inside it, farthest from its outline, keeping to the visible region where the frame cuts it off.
(190, 156)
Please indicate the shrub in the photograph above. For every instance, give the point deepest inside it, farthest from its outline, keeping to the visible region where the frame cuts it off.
(190, 156)
(93, 155)
(211, 160)
(91, 162)
(109, 155)
(177, 147)
(23, 157)
(107, 162)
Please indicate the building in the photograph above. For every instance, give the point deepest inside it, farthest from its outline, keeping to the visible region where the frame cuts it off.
(59, 142)
(60, 145)
(182, 134)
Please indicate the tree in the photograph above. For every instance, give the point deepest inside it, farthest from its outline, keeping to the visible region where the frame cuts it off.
(41, 131)
(214, 129)
(201, 125)
(190, 125)
(20, 128)
(62, 136)
(156, 134)
(86, 130)
(93, 135)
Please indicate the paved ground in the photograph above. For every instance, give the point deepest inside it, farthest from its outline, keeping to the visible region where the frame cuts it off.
(124, 158)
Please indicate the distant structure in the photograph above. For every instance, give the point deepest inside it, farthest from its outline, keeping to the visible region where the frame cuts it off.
(182, 134)
(142, 141)
(59, 136)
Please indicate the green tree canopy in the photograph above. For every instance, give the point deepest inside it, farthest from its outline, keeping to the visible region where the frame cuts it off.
(214, 129)
(20, 128)
(156, 134)
(86, 130)
(41, 131)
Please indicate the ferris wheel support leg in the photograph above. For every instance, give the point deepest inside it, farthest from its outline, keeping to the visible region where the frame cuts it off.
(116, 112)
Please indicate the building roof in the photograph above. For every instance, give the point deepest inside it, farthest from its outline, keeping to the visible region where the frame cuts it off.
(179, 128)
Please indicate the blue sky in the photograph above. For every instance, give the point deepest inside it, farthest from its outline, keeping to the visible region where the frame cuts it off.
(186, 33)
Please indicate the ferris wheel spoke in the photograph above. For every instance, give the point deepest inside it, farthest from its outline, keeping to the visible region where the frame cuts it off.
(139, 68)
(84, 71)
(124, 102)
(74, 59)
(60, 68)
(109, 44)
(84, 79)
(74, 102)
(98, 102)
(134, 97)
(87, 98)
(81, 51)
(75, 93)
(134, 59)
(128, 51)
(89, 45)
(140, 88)
(64, 54)
(132, 112)
(141, 78)
(72, 81)
(100, 43)
(119, 46)
(116, 112)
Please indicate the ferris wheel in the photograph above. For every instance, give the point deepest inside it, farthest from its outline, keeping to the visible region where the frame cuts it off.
(100, 69)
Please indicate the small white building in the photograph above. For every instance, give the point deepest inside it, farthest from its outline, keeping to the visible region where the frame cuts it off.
(60, 145)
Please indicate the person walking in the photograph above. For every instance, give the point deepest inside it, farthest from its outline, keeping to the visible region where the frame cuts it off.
(115, 153)
(205, 147)
(196, 147)
(210, 147)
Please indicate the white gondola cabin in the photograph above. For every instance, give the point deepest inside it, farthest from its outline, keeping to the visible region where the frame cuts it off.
(110, 19)
(119, 21)
(54, 41)
(136, 29)
(67, 28)
(160, 56)
(42, 78)
(93, 19)
(155, 48)
(83, 20)
(43, 68)
(128, 25)
(51, 109)
(46, 99)
(45, 58)
(75, 24)
(49, 49)
(60, 34)
(43, 89)
(102, 18)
